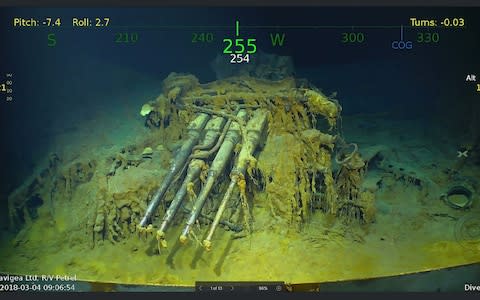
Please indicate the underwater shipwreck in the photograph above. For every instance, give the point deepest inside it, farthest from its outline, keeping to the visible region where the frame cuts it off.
(231, 175)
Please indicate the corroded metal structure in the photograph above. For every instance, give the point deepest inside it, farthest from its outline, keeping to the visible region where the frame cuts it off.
(235, 121)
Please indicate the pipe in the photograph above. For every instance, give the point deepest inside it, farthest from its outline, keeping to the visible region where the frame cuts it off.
(218, 165)
(213, 128)
(196, 153)
(207, 153)
(194, 130)
(255, 128)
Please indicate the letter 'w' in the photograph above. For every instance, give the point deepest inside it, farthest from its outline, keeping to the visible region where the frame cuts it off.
(276, 39)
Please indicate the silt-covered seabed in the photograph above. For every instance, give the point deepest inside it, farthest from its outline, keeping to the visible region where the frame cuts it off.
(409, 165)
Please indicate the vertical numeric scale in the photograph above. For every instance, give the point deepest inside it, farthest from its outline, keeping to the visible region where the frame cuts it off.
(6, 87)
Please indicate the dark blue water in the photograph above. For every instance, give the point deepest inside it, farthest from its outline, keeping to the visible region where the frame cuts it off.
(55, 88)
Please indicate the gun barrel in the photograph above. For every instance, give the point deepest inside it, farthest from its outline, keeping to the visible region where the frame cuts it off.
(194, 131)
